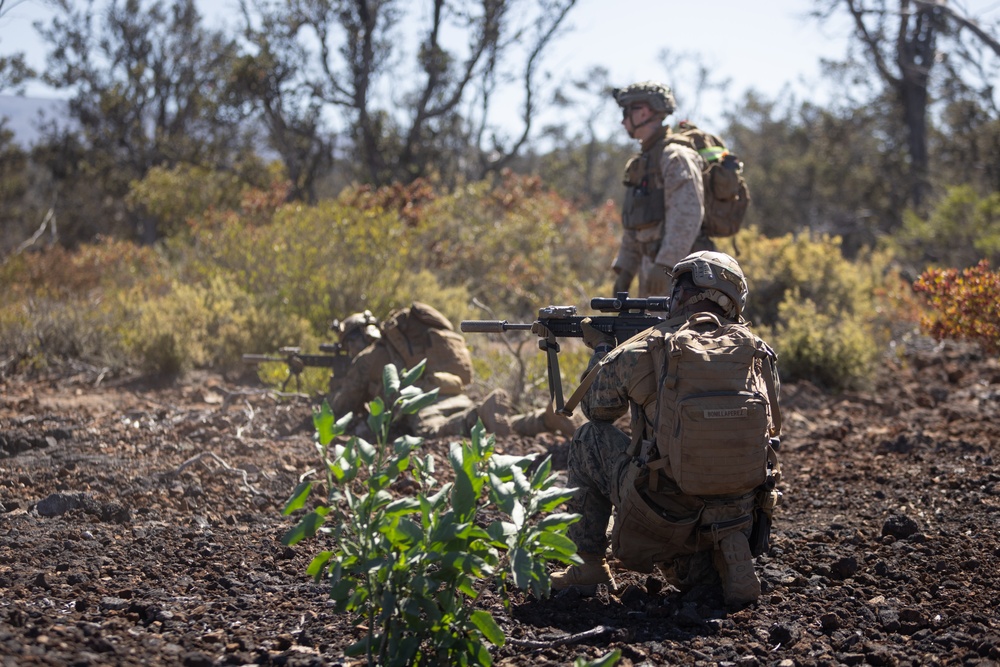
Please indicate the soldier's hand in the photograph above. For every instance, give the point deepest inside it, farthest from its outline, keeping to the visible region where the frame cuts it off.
(593, 337)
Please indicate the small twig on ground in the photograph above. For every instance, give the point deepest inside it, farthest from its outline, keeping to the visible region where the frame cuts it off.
(565, 639)
(198, 457)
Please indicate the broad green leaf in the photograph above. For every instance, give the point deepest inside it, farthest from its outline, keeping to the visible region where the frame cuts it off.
(376, 407)
(557, 521)
(464, 584)
(549, 499)
(402, 506)
(405, 444)
(521, 484)
(404, 533)
(517, 514)
(520, 567)
(501, 464)
(409, 392)
(412, 406)
(463, 494)
(484, 621)
(412, 375)
(366, 451)
(502, 494)
(324, 422)
(318, 564)
(390, 380)
(306, 527)
(501, 531)
(298, 499)
(541, 475)
(557, 542)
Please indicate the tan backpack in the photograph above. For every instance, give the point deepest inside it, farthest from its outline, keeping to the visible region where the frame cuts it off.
(718, 407)
(717, 413)
(422, 332)
(726, 194)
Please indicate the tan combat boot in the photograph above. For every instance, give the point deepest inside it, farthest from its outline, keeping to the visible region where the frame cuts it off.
(740, 585)
(585, 577)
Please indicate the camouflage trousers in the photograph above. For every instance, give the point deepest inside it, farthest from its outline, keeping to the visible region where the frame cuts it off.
(598, 468)
(597, 457)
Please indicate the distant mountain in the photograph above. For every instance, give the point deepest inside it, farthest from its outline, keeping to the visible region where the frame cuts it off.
(22, 115)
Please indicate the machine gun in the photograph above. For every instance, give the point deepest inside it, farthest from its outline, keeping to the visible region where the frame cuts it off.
(335, 357)
(556, 322)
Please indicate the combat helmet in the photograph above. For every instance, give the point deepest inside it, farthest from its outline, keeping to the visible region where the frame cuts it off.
(658, 96)
(363, 325)
(719, 275)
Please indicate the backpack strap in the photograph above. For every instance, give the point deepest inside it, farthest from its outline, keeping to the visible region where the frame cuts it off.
(591, 375)
(770, 379)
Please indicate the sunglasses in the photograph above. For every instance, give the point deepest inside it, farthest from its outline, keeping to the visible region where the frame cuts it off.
(627, 111)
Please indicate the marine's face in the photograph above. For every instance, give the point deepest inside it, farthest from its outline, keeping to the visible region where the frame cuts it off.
(634, 116)
(354, 342)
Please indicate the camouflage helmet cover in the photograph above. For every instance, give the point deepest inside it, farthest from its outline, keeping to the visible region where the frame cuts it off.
(715, 271)
(658, 96)
(365, 323)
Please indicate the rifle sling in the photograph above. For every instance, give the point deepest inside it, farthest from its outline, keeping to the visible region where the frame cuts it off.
(591, 375)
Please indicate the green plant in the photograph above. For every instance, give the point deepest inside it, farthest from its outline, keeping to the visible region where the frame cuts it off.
(816, 308)
(412, 567)
(607, 660)
(964, 304)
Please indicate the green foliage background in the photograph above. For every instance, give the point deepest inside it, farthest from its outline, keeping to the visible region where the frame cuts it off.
(264, 273)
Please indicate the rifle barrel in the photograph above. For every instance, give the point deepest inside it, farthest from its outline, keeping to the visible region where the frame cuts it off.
(493, 326)
(260, 358)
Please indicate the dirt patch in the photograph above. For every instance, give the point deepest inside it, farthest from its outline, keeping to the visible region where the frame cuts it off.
(141, 526)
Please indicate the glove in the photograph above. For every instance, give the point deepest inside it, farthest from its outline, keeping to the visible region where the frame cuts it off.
(592, 337)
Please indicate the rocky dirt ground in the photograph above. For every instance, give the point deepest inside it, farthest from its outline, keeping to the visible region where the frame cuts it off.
(141, 526)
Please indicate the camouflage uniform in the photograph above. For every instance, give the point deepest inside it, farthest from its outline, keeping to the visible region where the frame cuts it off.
(600, 462)
(598, 456)
(455, 413)
(664, 200)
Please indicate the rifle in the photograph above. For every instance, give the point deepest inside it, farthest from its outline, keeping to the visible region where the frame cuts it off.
(335, 358)
(556, 322)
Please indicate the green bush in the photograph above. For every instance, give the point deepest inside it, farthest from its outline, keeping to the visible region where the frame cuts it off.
(817, 309)
(205, 326)
(412, 567)
(962, 229)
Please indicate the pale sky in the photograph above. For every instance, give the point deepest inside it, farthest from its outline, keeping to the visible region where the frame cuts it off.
(765, 45)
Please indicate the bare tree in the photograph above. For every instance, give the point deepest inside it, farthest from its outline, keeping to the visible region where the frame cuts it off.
(14, 70)
(407, 117)
(904, 42)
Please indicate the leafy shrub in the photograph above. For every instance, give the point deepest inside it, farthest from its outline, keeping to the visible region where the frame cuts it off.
(42, 333)
(174, 195)
(831, 350)
(413, 567)
(965, 304)
(58, 304)
(962, 229)
(815, 307)
(205, 326)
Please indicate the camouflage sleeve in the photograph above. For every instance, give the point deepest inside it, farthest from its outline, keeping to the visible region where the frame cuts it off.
(627, 377)
(362, 382)
(684, 206)
(629, 257)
